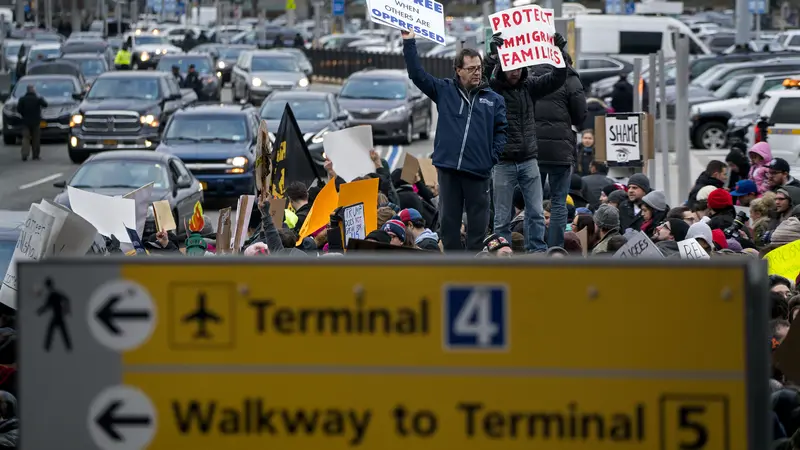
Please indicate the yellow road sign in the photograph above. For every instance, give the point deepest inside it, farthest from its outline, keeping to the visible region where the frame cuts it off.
(396, 354)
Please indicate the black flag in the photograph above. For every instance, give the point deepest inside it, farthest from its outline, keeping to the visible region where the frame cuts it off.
(291, 160)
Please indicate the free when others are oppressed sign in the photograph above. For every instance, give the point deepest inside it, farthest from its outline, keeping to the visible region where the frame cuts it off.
(527, 33)
(424, 17)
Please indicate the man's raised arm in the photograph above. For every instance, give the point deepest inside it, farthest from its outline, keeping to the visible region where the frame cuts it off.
(426, 82)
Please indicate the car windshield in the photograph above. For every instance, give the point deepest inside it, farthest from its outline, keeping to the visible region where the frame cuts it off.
(373, 88)
(6, 252)
(133, 88)
(120, 174)
(46, 37)
(706, 78)
(230, 53)
(274, 64)
(46, 88)
(201, 64)
(208, 128)
(44, 53)
(150, 40)
(91, 67)
(305, 109)
(730, 86)
(12, 49)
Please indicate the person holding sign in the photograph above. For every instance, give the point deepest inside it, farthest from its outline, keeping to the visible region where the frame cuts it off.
(518, 163)
(471, 134)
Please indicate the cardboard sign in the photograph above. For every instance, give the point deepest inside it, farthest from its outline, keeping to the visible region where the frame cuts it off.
(366, 192)
(527, 33)
(623, 139)
(354, 222)
(424, 18)
(244, 209)
(429, 174)
(639, 246)
(223, 243)
(607, 146)
(163, 216)
(410, 169)
(691, 249)
(277, 209)
(583, 237)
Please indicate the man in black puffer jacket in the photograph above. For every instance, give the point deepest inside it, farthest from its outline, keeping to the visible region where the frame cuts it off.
(556, 114)
(518, 166)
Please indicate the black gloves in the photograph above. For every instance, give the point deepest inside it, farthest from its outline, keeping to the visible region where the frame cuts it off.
(496, 43)
(560, 41)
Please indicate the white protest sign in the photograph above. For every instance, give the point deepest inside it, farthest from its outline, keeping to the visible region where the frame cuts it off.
(424, 17)
(142, 198)
(691, 249)
(108, 214)
(639, 246)
(348, 150)
(623, 139)
(72, 235)
(527, 33)
(31, 246)
(354, 222)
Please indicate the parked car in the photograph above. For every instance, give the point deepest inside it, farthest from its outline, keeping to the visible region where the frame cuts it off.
(62, 93)
(117, 173)
(389, 102)
(99, 47)
(91, 65)
(258, 73)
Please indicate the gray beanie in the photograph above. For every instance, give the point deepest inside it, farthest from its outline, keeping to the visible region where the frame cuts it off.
(607, 217)
(641, 180)
(656, 200)
(617, 196)
(787, 232)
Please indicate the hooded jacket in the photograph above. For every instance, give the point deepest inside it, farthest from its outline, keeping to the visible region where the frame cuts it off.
(703, 180)
(557, 113)
(471, 127)
(520, 99)
(742, 164)
(758, 172)
(428, 240)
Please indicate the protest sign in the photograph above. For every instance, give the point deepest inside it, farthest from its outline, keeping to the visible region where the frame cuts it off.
(223, 243)
(72, 235)
(527, 33)
(31, 246)
(424, 17)
(353, 222)
(429, 174)
(107, 214)
(136, 241)
(162, 214)
(142, 198)
(366, 192)
(348, 150)
(583, 238)
(244, 209)
(263, 152)
(622, 138)
(277, 207)
(785, 260)
(98, 246)
(638, 246)
(410, 169)
(691, 249)
(320, 215)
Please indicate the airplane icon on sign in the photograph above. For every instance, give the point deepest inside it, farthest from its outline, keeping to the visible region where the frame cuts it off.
(202, 315)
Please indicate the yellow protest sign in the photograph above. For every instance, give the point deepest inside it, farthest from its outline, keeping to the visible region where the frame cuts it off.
(785, 260)
(366, 192)
(465, 353)
(291, 5)
(321, 210)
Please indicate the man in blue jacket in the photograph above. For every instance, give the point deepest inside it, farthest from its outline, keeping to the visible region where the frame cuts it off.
(470, 134)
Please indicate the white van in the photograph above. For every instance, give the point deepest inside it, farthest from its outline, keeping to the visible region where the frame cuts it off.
(634, 36)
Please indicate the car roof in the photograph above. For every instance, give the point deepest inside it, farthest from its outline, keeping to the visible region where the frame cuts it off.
(380, 73)
(83, 56)
(40, 45)
(134, 74)
(258, 52)
(131, 155)
(185, 55)
(48, 76)
(214, 108)
(300, 94)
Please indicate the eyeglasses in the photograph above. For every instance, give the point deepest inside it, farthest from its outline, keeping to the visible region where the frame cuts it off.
(783, 199)
(472, 69)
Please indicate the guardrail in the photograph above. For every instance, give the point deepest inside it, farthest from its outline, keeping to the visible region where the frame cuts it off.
(334, 66)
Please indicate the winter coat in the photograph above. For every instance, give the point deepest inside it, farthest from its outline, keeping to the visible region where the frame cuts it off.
(593, 187)
(428, 240)
(302, 214)
(758, 172)
(602, 246)
(594, 108)
(471, 127)
(520, 99)
(702, 181)
(742, 163)
(556, 115)
(628, 218)
(622, 96)
(30, 108)
(9, 433)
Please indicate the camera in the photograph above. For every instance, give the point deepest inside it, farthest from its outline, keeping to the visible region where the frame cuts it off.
(738, 223)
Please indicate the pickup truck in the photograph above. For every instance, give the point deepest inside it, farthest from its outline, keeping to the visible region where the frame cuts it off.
(125, 110)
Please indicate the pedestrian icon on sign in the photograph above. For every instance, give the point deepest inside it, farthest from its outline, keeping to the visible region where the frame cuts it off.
(59, 304)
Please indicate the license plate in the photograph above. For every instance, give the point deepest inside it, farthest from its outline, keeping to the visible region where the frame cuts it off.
(43, 124)
(204, 185)
(109, 142)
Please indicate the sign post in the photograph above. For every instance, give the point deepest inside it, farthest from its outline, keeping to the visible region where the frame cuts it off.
(758, 8)
(211, 354)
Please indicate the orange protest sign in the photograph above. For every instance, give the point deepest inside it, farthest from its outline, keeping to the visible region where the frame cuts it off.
(326, 202)
(366, 192)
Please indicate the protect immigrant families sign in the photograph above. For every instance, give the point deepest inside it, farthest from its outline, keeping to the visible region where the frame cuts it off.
(527, 33)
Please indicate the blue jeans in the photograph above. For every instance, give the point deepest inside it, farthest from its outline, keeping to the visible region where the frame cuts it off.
(506, 176)
(558, 177)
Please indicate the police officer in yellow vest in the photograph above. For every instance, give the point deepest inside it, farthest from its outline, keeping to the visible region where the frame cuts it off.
(123, 59)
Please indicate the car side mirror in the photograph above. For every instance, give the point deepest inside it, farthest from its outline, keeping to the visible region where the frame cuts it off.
(78, 96)
(715, 85)
(416, 97)
(183, 182)
(175, 97)
(343, 116)
(60, 184)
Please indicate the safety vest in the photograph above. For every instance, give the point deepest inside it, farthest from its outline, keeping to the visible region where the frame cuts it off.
(123, 58)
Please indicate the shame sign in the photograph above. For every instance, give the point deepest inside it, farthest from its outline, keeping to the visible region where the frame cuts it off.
(623, 138)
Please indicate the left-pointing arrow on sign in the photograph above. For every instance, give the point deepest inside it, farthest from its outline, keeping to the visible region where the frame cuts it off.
(110, 421)
(108, 315)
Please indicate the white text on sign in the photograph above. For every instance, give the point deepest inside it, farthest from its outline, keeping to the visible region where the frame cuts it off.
(527, 33)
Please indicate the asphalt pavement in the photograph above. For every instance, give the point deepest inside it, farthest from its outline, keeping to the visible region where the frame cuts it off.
(23, 183)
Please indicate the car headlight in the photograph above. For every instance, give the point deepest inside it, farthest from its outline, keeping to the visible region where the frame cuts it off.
(392, 112)
(221, 65)
(303, 82)
(319, 137)
(144, 56)
(219, 74)
(238, 161)
(76, 119)
(149, 119)
(256, 82)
